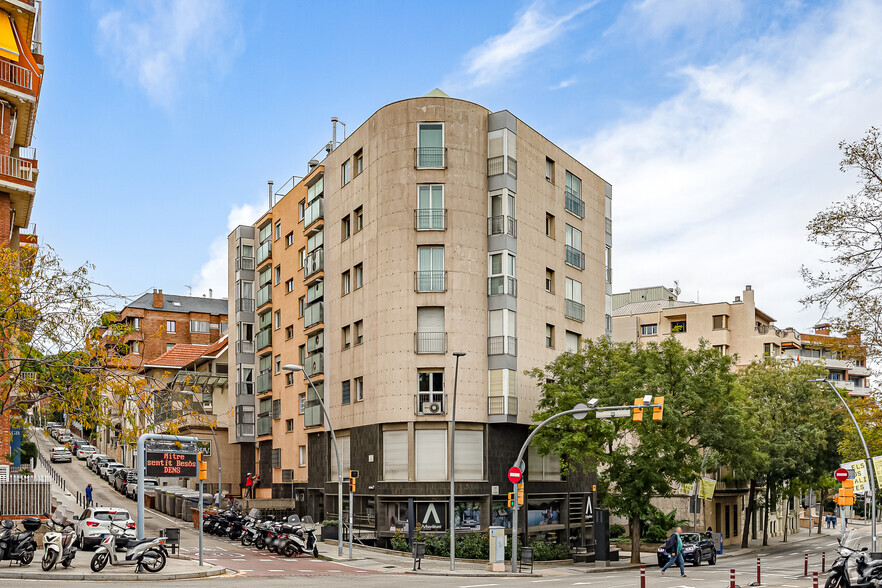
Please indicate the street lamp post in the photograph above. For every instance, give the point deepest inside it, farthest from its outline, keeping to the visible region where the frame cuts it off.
(866, 452)
(457, 355)
(299, 368)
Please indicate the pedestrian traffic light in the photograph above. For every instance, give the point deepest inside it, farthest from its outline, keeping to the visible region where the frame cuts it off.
(203, 467)
(511, 500)
(657, 411)
(638, 412)
(521, 493)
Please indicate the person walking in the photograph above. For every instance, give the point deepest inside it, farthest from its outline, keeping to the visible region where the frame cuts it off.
(249, 484)
(88, 495)
(674, 548)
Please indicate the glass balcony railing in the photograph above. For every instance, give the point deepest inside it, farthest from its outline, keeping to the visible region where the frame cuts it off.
(264, 425)
(314, 263)
(502, 165)
(264, 295)
(264, 338)
(315, 364)
(313, 314)
(575, 310)
(573, 203)
(575, 258)
(264, 252)
(264, 383)
(245, 304)
(314, 212)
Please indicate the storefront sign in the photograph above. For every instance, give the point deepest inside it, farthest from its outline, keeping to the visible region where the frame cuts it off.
(432, 516)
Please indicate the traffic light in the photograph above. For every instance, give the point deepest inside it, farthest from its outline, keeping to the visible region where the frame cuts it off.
(638, 412)
(203, 467)
(511, 500)
(521, 493)
(352, 485)
(846, 493)
(657, 411)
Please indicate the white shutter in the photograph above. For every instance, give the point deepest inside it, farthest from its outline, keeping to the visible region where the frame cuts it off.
(496, 388)
(395, 455)
(496, 317)
(469, 455)
(572, 343)
(431, 454)
(430, 319)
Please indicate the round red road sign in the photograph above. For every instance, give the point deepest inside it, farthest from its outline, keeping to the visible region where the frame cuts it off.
(841, 474)
(515, 475)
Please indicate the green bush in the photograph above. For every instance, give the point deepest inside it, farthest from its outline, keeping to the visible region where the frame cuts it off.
(399, 541)
(657, 525)
(616, 530)
(547, 551)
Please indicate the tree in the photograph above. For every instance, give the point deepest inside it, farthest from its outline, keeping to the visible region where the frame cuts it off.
(851, 286)
(639, 460)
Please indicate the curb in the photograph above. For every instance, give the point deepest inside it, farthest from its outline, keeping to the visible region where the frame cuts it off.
(127, 577)
(473, 574)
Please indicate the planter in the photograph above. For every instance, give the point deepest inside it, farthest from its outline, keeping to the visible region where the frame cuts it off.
(329, 533)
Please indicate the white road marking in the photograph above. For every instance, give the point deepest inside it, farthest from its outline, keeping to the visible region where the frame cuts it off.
(275, 570)
(540, 581)
(478, 585)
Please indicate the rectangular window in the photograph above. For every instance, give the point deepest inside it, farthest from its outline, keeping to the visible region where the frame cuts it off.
(289, 425)
(302, 354)
(359, 389)
(573, 342)
(359, 332)
(277, 275)
(359, 276)
(302, 302)
(721, 321)
(469, 455)
(289, 332)
(344, 228)
(549, 225)
(431, 389)
(346, 171)
(430, 147)
(549, 336)
(289, 378)
(430, 208)
(302, 256)
(279, 230)
(431, 454)
(302, 403)
(608, 264)
(136, 324)
(136, 347)
(430, 336)
(289, 285)
(646, 330)
(168, 346)
(574, 255)
(289, 239)
(678, 326)
(301, 210)
(430, 272)
(200, 326)
(303, 456)
(346, 284)
(574, 307)
(502, 274)
(359, 218)
(345, 393)
(359, 161)
(542, 467)
(276, 458)
(278, 363)
(549, 280)
(346, 341)
(170, 327)
(395, 455)
(277, 409)
(724, 350)
(277, 319)
(573, 196)
(549, 170)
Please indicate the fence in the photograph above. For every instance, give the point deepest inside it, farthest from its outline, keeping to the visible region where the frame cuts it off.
(25, 496)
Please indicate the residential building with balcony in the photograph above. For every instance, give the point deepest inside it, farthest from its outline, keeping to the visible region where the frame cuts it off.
(436, 226)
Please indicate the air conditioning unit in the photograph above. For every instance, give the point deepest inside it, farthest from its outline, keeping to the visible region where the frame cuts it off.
(432, 408)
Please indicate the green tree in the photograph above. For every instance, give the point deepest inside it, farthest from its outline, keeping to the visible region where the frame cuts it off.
(639, 460)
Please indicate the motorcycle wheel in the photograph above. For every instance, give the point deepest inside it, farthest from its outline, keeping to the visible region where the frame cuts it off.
(65, 563)
(834, 581)
(99, 560)
(26, 558)
(158, 564)
(49, 560)
(246, 540)
(288, 550)
(259, 543)
(315, 552)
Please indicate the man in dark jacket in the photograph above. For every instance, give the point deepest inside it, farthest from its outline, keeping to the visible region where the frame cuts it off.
(676, 553)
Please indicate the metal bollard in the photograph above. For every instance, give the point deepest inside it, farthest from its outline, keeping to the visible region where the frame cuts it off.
(758, 571)
(731, 578)
(642, 576)
(814, 579)
(805, 572)
(823, 561)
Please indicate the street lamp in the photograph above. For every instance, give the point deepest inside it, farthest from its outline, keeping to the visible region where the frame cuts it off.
(457, 355)
(299, 368)
(866, 452)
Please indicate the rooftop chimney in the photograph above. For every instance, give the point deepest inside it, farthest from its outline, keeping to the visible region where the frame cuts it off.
(313, 163)
(269, 184)
(157, 298)
(210, 293)
(822, 329)
(738, 299)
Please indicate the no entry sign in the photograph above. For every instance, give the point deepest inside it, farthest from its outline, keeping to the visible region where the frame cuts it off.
(515, 475)
(841, 474)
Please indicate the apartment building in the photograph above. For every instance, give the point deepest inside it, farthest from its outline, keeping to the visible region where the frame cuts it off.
(435, 227)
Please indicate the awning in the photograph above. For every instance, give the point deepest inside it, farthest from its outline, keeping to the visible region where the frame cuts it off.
(8, 46)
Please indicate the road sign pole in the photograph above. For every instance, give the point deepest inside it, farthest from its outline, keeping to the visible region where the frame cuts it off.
(200, 522)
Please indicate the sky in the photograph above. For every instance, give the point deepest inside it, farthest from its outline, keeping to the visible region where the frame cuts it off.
(716, 122)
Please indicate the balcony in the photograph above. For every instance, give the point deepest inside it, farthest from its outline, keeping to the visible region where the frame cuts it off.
(502, 346)
(264, 338)
(245, 304)
(499, 285)
(244, 263)
(315, 364)
(430, 157)
(502, 165)
(429, 403)
(264, 425)
(503, 405)
(20, 172)
(575, 258)
(573, 203)
(244, 346)
(313, 415)
(502, 225)
(16, 77)
(314, 212)
(313, 314)
(265, 383)
(430, 281)
(244, 388)
(430, 219)
(575, 310)
(314, 263)
(425, 342)
(264, 295)
(264, 252)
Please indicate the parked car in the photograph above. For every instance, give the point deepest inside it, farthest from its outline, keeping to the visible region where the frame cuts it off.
(106, 469)
(97, 463)
(94, 523)
(76, 444)
(132, 487)
(86, 451)
(91, 459)
(696, 549)
(58, 454)
(121, 478)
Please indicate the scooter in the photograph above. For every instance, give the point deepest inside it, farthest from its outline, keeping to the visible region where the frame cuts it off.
(869, 572)
(305, 544)
(19, 546)
(59, 545)
(148, 554)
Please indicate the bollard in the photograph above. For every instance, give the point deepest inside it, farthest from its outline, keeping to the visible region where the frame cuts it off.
(814, 579)
(758, 571)
(823, 561)
(732, 578)
(642, 576)
(805, 573)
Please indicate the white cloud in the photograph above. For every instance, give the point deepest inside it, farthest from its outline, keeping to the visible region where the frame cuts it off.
(499, 57)
(659, 18)
(161, 43)
(564, 84)
(714, 186)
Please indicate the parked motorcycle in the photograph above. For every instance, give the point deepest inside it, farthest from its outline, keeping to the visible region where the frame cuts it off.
(301, 544)
(263, 533)
(148, 554)
(19, 546)
(869, 572)
(59, 543)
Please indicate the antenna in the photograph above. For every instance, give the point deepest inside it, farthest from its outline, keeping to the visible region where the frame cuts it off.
(189, 289)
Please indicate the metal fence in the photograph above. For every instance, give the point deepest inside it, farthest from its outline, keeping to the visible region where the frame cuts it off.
(25, 496)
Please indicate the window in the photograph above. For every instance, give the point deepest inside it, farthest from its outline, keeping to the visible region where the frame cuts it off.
(343, 445)
(646, 330)
(549, 336)
(301, 210)
(608, 264)
(678, 326)
(359, 389)
(549, 225)
(573, 196)
(469, 455)
(223, 328)
(302, 302)
(344, 228)
(277, 319)
(135, 347)
(771, 350)
(289, 332)
(502, 274)
(359, 276)
(722, 349)
(430, 273)
(574, 255)
(359, 218)
(359, 161)
(277, 275)
(346, 283)
(303, 456)
(168, 346)
(302, 355)
(346, 171)
(574, 307)
(549, 280)
(542, 467)
(345, 394)
(279, 230)
(302, 403)
(549, 170)
(430, 208)
(431, 454)
(359, 332)
(289, 425)
(289, 239)
(289, 378)
(136, 324)
(721, 321)
(278, 363)
(573, 342)
(277, 409)
(346, 337)
(430, 336)
(502, 332)
(302, 256)
(430, 147)
(395, 455)
(170, 326)
(199, 326)
(289, 285)
(431, 387)
(265, 232)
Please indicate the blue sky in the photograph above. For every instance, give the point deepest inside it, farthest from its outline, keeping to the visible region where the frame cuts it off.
(717, 122)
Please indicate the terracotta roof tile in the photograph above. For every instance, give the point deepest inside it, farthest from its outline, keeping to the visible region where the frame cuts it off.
(179, 356)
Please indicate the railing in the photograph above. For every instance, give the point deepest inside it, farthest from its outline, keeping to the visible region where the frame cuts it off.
(22, 169)
(244, 346)
(313, 314)
(314, 263)
(498, 285)
(430, 157)
(264, 295)
(314, 212)
(574, 257)
(244, 388)
(428, 403)
(430, 281)
(502, 164)
(16, 75)
(430, 219)
(503, 405)
(245, 305)
(264, 426)
(25, 496)
(575, 310)
(425, 342)
(264, 252)
(573, 203)
(315, 364)
(502, 346)
(265, 383)
(244, 263)
(264, 338)
(502, 225)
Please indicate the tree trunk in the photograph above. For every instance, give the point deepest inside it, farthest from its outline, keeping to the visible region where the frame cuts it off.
(766, 517)
(823, 493)
(634, 526)
(748, 514)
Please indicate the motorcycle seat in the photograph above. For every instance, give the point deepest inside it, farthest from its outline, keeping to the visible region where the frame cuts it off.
(136, 542)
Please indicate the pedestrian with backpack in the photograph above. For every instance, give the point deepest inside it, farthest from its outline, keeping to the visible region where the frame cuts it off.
(674, 548)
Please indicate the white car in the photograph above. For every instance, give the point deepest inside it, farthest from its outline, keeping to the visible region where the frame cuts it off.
(86, 451)
(132, 487)
(60, 454)
(93, 457)
(94, 523)
(103, 467)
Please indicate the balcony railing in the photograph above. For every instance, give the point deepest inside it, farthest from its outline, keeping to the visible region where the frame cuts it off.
(315, 364)
(502, 346)
(429, 403)
(502, 225)
(425, 342)
(16, 75)
(502, 165)
(264, 295)
(430, 157)
(22, 169)
(264, 338)
(265, 383)
(313, 314)
(575, 310)
(264, 425)
(430, 281)
(573, 203)
(244, 346)
(244, 263)
(314, 263)
(503, 405)
(575, 257)
(313, 415)
(498, 285)
(264, 252)
(430, 219)
(314, 212)
(245, 305)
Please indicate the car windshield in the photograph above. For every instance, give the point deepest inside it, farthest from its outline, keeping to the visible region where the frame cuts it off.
(118, 515)
(690, 538)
